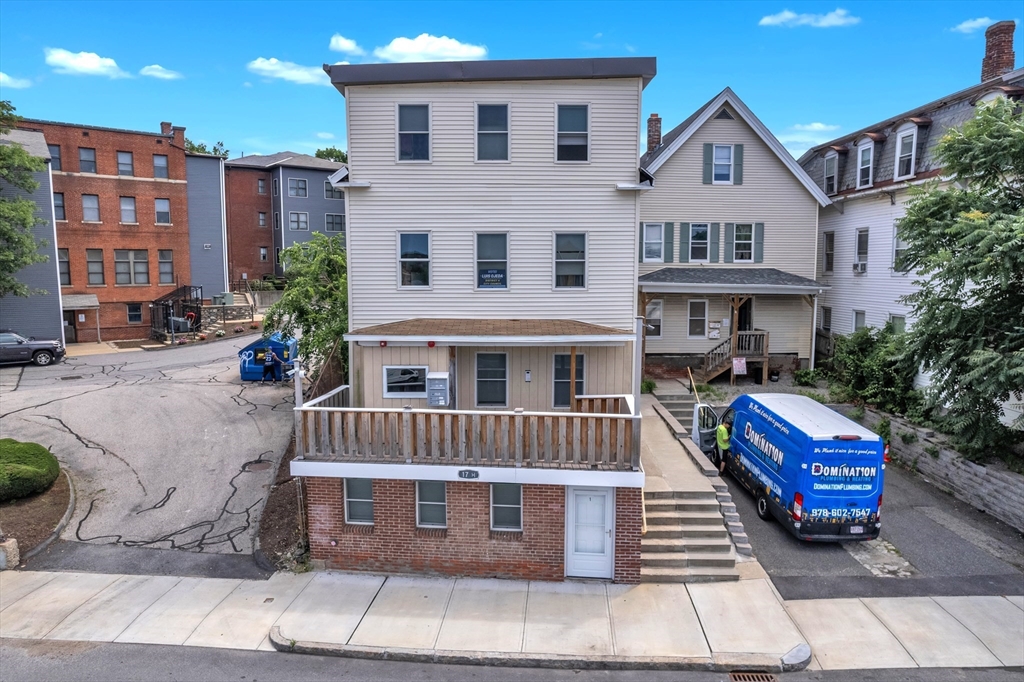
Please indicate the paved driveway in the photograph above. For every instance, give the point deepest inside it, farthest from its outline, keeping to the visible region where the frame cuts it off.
(168, 449)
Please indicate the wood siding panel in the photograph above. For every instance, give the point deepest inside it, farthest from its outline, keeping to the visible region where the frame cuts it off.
(372, 361)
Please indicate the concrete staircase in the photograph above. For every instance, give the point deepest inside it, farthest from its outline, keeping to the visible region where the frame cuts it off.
(686, 539)
(679, 404)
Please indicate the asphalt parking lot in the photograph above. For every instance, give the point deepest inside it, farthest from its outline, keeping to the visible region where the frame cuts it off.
(167, 449)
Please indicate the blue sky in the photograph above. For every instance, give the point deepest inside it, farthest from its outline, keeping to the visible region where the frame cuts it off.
(249, 73)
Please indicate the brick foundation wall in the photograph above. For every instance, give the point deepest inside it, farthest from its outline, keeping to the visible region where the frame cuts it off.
(628, 527)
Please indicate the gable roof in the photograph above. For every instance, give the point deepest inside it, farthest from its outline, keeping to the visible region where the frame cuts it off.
(671, 142)
(292, 159)
(31, 141)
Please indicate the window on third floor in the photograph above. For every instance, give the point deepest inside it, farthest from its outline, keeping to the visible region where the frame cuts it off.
(906, 153)
(163, 211)
(831, 164)
(86, 160)
(330, 192)
(261, 186)
(125, 163)
(865, 163)
(54, 156)
(160, 166)
(297, 188)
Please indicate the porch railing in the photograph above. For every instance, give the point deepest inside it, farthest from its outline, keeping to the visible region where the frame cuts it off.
(754, 343)
(327, 429)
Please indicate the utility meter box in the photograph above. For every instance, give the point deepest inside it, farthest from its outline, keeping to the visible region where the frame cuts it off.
(438, 389)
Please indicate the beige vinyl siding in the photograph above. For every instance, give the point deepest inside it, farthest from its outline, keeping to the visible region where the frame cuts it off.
(370, 364)
(607, 370)
(787, 319)
(531, 198)
(770, 194)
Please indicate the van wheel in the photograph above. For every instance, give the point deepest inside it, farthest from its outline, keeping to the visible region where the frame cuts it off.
(763, 512)
(716, 458)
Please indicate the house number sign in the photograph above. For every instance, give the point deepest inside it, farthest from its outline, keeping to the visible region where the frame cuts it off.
(468, 473)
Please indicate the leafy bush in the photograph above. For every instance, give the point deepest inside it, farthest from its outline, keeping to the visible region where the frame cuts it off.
(25, 469)
(805, 377)
(874, 366)
(647, 385)
(220, 333)
(908, 437)
(884, 429)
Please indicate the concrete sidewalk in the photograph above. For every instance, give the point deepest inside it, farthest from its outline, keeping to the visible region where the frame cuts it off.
(717, 626)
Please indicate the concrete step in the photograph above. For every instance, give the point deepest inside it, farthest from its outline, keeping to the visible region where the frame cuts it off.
(666, 559)
(702, 574)
(682, 505)
(710, 530)
(714, 545)
(676, 518)
(688, 560)
(680, 495)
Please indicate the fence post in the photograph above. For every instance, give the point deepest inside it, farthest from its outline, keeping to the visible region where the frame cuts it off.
(300, 445)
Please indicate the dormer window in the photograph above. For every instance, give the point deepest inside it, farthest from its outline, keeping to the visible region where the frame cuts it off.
(865, 159)
(831, 163)
(906, 152)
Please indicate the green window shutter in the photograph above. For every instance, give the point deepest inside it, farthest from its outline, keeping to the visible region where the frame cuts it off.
(708, 155)
(737, 164)
(758, 242)
(669, 242)
(713, 243)
(684, 242)
(641, 242)
(730, 235)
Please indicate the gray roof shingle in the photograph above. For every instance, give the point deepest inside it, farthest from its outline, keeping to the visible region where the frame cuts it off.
(285, 159)
(727, 276)
(31, 141)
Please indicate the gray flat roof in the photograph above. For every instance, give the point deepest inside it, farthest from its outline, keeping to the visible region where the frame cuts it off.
(501, 70)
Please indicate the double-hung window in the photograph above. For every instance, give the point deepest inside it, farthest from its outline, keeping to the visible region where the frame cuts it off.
(492, 132)
(261, 186)
(906, 143)
(128, 214)
(722, 173)
(298, 221)
(562, 381)
(86, 160)
(125, 163)
(414, 258)
(571, 260)
(831, 163)
(359, 501)
(131, 267)
(413, 132)
(899, 248)
(334, 222)
(264, 253)
(58, 206)
(64, 267)
(861, 258)
(262, 218)
(654, 242)
(160, 166)
(405, 382)
(865, 171)
(826, 318)
(91, 208)
(859, 320)
(697, 319)
(163, 211)
(134, 311)
(492, 260)
(297, 188)
(431, 504)
(828, 251)
(743, 243)
(654, 313)
(491, 380)
(699, 242)
(506, 506)
(898, 322)
(165, 259)
(54, 156)
(94, 263)
(331, 193)
(573, 136)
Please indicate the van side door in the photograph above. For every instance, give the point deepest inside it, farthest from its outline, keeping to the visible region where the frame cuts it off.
(705, 421)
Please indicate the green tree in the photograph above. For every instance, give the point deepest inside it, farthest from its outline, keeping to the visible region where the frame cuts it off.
(332, 154)
(966, 241)
(18, 246)
(315, 301)
(201, 148)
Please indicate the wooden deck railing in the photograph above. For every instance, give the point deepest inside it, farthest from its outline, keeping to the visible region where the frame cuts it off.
(473, 437)
(754, 343)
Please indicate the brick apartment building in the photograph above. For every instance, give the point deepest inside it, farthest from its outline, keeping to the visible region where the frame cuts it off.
(273, 202)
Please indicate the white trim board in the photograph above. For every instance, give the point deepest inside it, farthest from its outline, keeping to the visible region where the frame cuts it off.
(488, 474)
(762, 131)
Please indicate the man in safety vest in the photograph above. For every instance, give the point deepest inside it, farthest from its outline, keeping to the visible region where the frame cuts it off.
(722, 436)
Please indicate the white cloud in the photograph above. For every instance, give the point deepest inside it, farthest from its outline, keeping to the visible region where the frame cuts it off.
(246, 84)
(82, 63)
(597, 36)
(340, 43)
(14, 83)
(802, 136)
(289, 71)
(325, 136)
(428, 48)
(837, 17)
(157, 71)
(815, 127)
(972, 25)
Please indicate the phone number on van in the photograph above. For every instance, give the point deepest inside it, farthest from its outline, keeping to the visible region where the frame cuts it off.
(839, 513)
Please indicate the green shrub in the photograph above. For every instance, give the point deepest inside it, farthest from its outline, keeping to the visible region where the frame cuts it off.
(857, 413)
(908, 437)
(874, 366)
(647, 385)
(884, 429)
(805, 377)
(25, 469)
(932, 450)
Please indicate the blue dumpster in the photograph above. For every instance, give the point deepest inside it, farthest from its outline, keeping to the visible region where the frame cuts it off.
(250, 358)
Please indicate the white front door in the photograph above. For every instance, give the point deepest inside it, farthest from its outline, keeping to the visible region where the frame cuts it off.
(589, 532)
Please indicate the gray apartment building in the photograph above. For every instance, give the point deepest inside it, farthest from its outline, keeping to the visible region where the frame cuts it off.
(207, 223)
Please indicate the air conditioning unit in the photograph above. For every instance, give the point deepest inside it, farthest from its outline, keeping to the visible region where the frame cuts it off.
(860, 267)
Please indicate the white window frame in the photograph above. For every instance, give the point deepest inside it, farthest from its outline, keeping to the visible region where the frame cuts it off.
(134, 211)
(157, 211)
(131, 164)
(590, 140)
(400, 394)
(735, 243)
(429, 260)
(261, 218)
(298, 221)
(305, 188)
(264, 254)
(478, 132)
(555, 261)
(345, 497)
(707, 243)
(856, 245)
(430, 132)
(476, 380)
(707, 315)
(505, 529)
(420, 524)
(128, 313)
(659, 304)
(555, 381)
(834, 158)
(131, 269)
(896, 243)
(826, 251)
(476, 262)
(732, 164)
(869, 146)
(905, 131)
(99, 215)
(853, 320)
(340, 193)
(893, 317)
(661, 243)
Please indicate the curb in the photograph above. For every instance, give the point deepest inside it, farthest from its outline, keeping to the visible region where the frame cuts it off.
(60, 526)
(796, 659)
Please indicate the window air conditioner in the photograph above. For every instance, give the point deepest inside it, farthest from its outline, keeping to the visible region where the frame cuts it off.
(860, 267)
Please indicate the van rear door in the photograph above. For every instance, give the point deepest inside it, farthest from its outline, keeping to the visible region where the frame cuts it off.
(843, 480)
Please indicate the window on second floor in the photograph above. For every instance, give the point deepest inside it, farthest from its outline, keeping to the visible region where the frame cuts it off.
(831, 164)
(862, 247)
(163, 211)
(573, 142)
(58, 206)
(298, 221)
(131, 267)
(899, 248)
(128, 210)
(743, 244)
(125, 163)
(91, 208)
(722, 173)
(334, 222)
(86, 160)
(297, 188)
(262, 216)
(54, 156)
(654, 242)
(330, 192)
(94, 263)
(64, 267)
(906, 151)
(865, 170)
(699, 242)
(160, 166)
(492, 261)
(571, 260)
(165, 258)
(414, 259)
(828, 251)
(492, 132)
(413, 132)
(275, 187)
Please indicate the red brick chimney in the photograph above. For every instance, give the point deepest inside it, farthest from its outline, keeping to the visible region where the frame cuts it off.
(653, 132)
(165, 128)
(999, 55)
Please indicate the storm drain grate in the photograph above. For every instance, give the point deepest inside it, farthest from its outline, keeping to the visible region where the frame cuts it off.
(71, 378)
(753, 677)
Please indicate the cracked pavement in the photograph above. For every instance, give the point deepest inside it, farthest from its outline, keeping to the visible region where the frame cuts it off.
(168, 449)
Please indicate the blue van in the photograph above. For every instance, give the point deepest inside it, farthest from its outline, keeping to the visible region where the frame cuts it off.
(817, 472)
